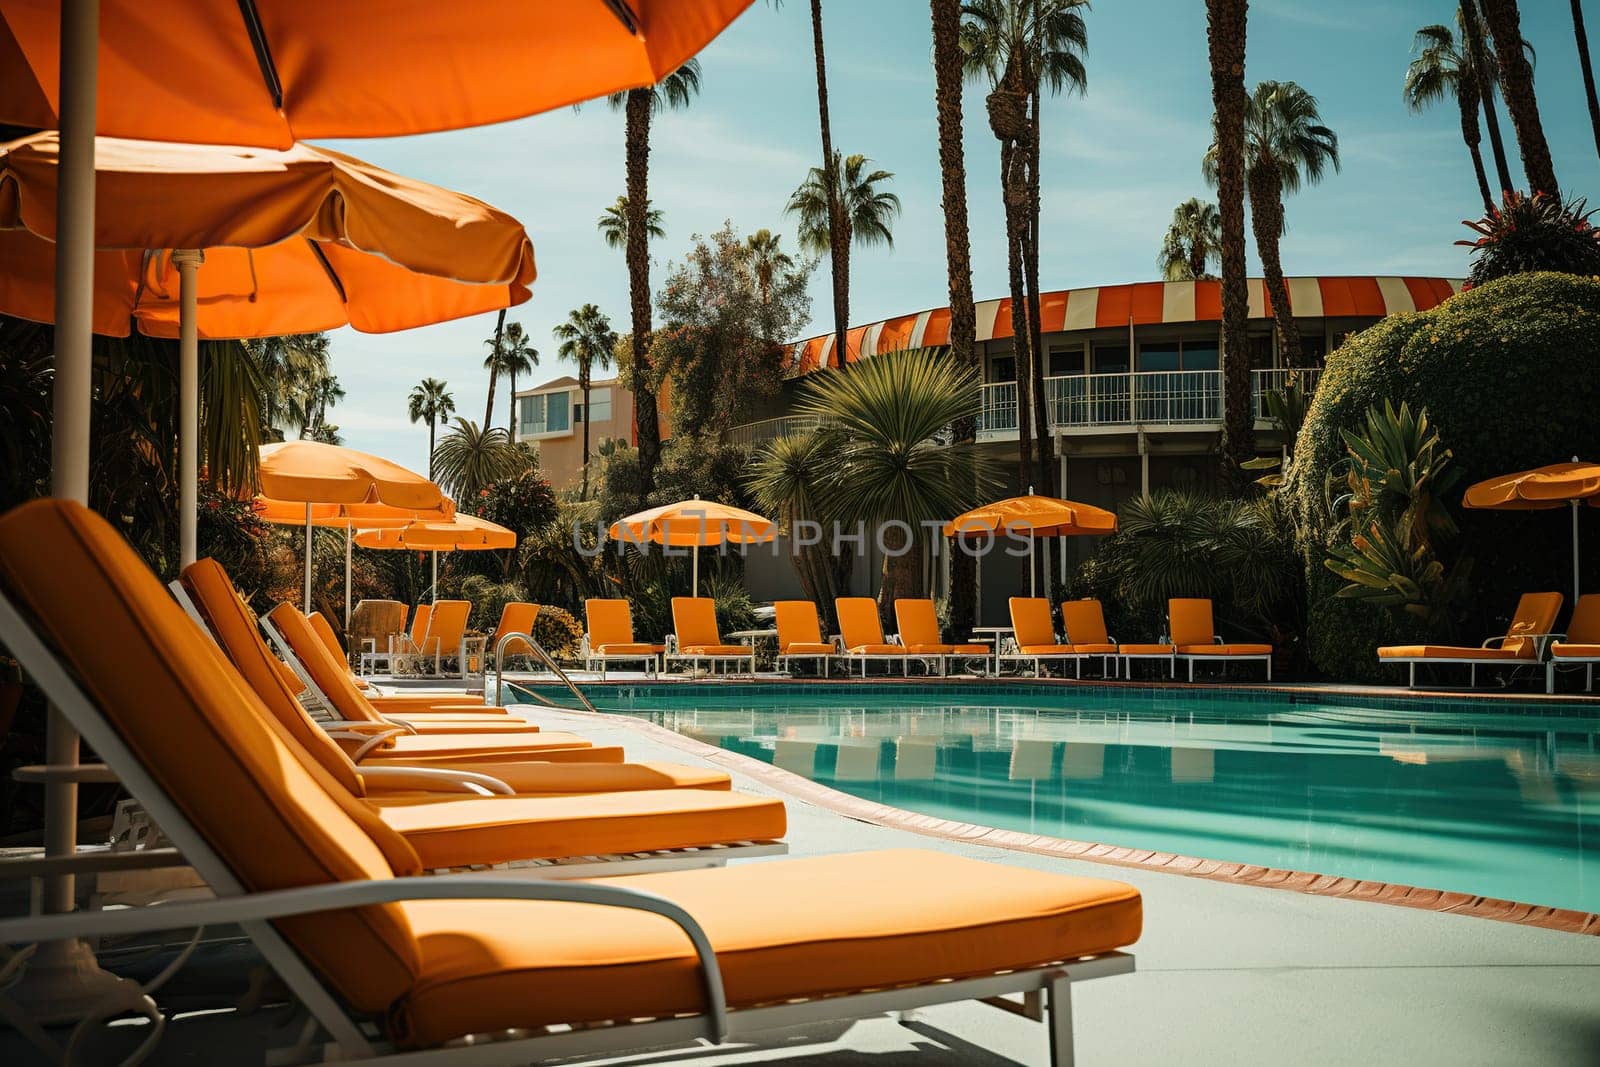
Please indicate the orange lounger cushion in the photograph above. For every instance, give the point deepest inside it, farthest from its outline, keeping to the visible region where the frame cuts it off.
(487, 965)
(469, 759)
(1560, 650)
(1094, 650)
(1146, 650)
(949, 650)
(477, 830)
(1046, 650)
(806, 648)
(878, 650)
(554, 779)
(1445, 652)
(1224, 650)
(482, 745)
(716, 650)
(434, 700)
(629, 650)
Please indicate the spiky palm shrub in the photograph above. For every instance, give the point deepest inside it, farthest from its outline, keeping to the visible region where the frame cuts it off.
(1530, 233)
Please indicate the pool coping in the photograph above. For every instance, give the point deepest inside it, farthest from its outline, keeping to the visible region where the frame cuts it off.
(1563, 920)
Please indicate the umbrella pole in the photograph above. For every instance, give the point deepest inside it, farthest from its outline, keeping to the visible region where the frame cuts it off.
(64, 980)
(435, 586)
(1032, 589)
(188, 264)
(1575, 580)
(305, 600)
(694, 569)
(347, 542)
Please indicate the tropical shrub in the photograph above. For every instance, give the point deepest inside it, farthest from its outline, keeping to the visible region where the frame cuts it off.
(1534, 233)
(1507, 373)
(489, 599)
(558, 631)
(521, 503)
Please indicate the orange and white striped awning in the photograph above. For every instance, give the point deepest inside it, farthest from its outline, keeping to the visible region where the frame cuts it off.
(1138, 304)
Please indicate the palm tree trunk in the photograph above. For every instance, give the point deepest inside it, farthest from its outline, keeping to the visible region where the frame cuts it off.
(1225, 35)
(1030, 266)
(494, 370)
(1467, 101)
(1516, 79)
(511, 408)
(1266, 217)
(583, 387)
(647, 424)
(838, 245)
(1487, 75)
(431, 425)
(902, 577)
(1014, 194)
(947, 61)
(1587, 67)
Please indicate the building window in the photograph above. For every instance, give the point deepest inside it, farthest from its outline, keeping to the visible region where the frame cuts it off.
(1313, 347)
(544, 413)
(577, 414)
(1003, 369)
(1111, 359)
(1064, 361)
(1261, 351)
(1163, 355)
(1200, 355)
(600, 404)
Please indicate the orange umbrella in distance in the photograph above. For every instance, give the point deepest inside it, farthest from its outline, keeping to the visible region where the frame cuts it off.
(269, 74)
(199, 241)
(1035, 516)
(464, 533)
(694, 523)
(310, 473)
(1542, 489)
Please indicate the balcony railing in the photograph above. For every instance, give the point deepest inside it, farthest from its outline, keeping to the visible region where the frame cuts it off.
(751, 434)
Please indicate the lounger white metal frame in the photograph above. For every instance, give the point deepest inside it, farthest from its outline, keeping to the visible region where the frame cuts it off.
(848, 657)
(672, 656)
(1541, 643)
(1020, 657)
(1046, 990)
(1586, 662)
(1126, 660)
(651, 660)
(1192, 657)
(824, 659)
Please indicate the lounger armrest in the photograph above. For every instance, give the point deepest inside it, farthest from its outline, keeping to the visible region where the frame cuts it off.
(337, 896)
(1540, 641)
(437, 780)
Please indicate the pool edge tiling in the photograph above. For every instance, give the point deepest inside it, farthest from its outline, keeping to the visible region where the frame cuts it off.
(1564, 920)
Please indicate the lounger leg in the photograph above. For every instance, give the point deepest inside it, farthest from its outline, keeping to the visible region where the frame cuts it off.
(1472, 676)
(1060, 1022)
(1550, 677)
(1191, 670)
(1269, 670)
(1588, 681)
(1412, 684)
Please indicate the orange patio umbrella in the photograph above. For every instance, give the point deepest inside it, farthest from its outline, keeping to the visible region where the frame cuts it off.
(310, 473)
(210, 242)
(1542, 489)
(694, 523)
(464, 533)
(348, 517)
(1035, 516)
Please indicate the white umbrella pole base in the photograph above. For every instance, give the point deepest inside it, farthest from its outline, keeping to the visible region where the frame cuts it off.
(64, 983)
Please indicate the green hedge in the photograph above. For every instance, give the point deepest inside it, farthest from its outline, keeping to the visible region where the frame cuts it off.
(1510, 374)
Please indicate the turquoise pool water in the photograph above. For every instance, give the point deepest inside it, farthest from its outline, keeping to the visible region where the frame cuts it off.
(1493, 799)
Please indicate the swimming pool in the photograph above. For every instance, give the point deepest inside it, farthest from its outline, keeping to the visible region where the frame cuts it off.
(1491, 798)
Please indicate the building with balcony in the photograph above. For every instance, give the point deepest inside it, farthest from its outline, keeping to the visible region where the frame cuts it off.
(550, 417)
(1134, 385)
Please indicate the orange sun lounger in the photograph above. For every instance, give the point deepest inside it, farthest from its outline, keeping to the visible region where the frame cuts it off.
(609, 637)
(1580, 645)
(330, 640)
(862, 634)
(694, 627)
(1034, 631)
(1194, 637)
(919, 634)
(1522, 645)
(800, 635)
(387, 962)
(1084, 625)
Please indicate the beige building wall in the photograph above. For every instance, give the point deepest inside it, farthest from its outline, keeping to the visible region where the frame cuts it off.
(551, 417)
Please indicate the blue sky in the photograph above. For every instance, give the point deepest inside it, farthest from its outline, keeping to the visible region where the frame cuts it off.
(1115, 163)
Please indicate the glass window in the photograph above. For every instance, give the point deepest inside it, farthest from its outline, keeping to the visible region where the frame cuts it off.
(1110, 359)
(1003, 369)
(1200, 355)
(557, 412)
(1313, 347)
(600, 405)
(1160, 356)
(1261, 351)
(577, 413)
(530, 415)
(1066, 361)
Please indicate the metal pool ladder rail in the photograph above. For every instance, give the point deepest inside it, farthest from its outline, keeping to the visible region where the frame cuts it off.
(543, 657)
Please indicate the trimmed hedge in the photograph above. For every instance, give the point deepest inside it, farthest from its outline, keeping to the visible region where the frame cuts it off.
(1510, 374)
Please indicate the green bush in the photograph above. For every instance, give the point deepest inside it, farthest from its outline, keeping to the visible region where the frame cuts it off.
(557, 631)
(1507, 373)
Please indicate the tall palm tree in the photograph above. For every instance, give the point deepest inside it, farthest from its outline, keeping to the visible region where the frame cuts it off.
(1516, 83)
(324, 393)
(431, 402)
(1193, 240)
(491, 363)
(1441, 67)
(1483, 61)
(1587, 68)
(1024, 47)
(290, 368)
(766, 259)
(472, 458)
(866, 213)
(587, 339)
(1226, 24)
(613, 223)
(640, 106)
(881, 423)
(1285, 145)
(948, 63)
(517, 356)
(837, 220)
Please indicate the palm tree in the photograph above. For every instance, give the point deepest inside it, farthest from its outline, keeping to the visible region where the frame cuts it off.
(881, 423)
(1516, 82)
(1193, 240)
(1441, 67)
(1587, 67)
(866, 217)
(766, 259)
(1285, 144)
(471, 458)
(640, 105)
(786, 478)
(1483, 61)
(613, 223)
(948, 64)
(1226, 24)
(430, 402)
(587, 339)
(1023, 47)
(323, 393)
(837, 222)
(290, 368)
(491, 363)
(517, 356)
